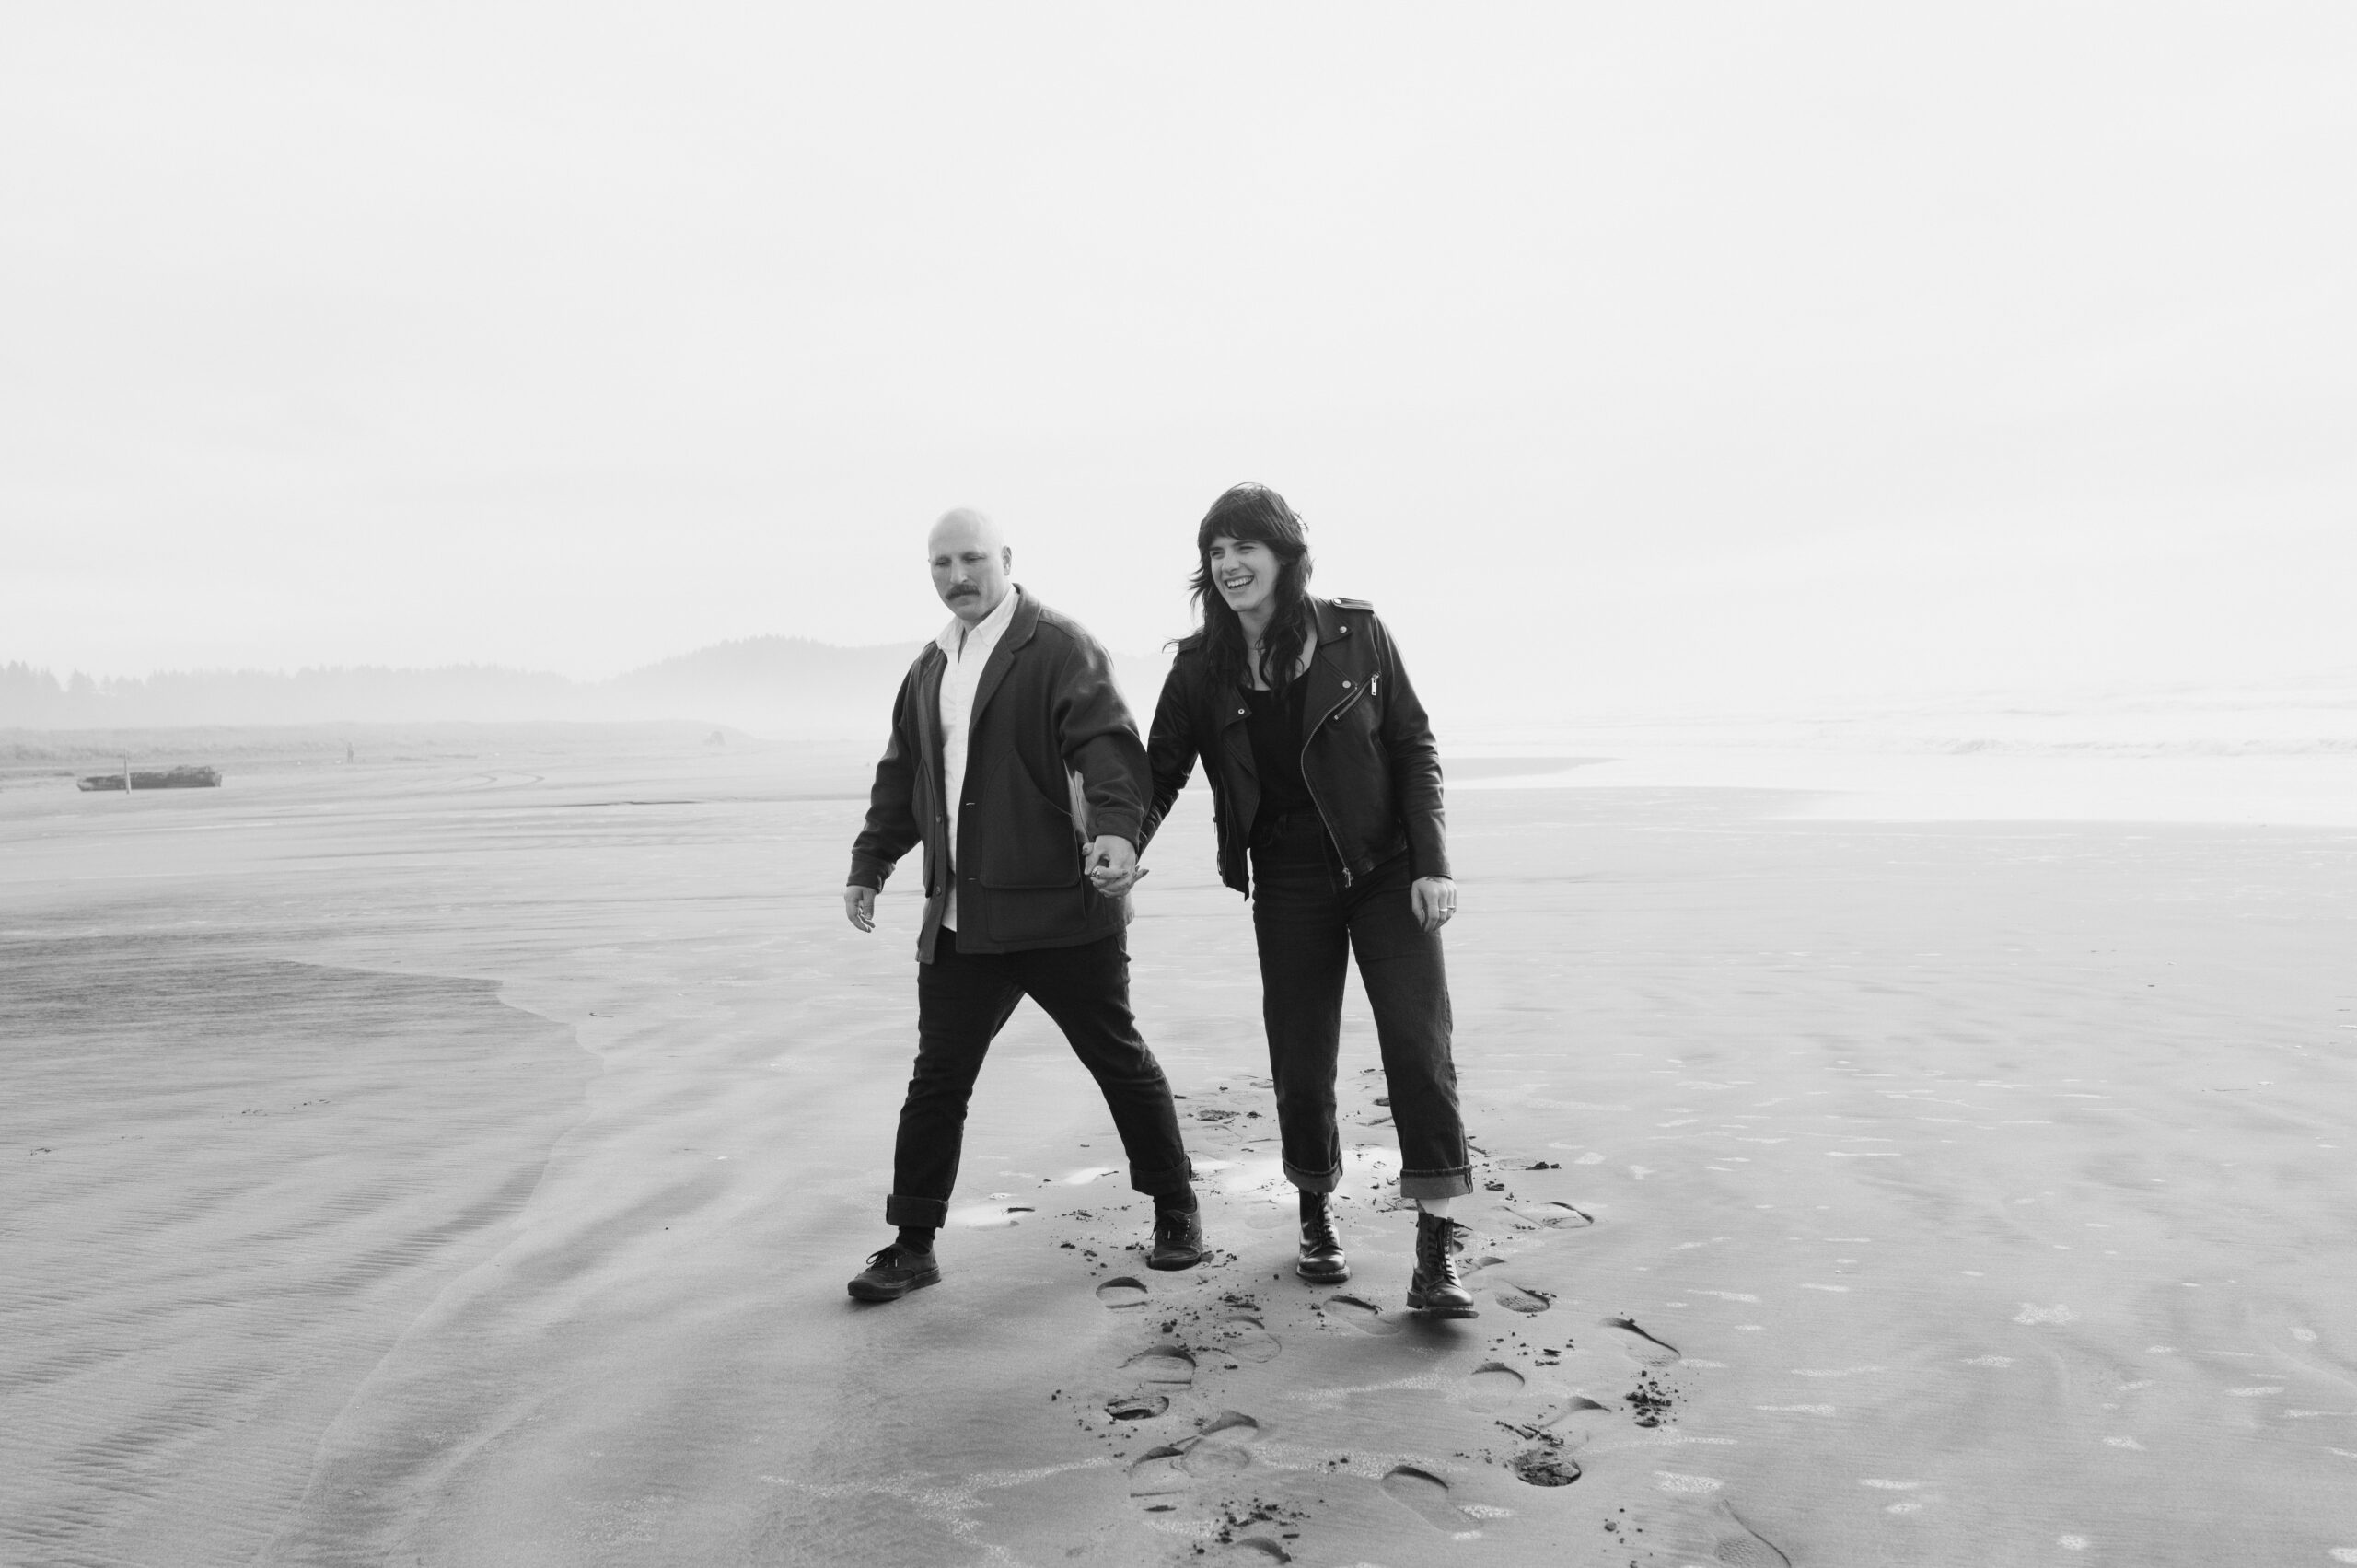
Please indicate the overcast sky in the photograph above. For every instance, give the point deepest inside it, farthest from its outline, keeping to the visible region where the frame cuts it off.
(1621, 355)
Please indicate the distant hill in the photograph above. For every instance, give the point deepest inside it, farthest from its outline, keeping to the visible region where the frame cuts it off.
(767, 685)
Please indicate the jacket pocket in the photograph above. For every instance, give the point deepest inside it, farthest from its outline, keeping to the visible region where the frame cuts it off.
(1023, 838)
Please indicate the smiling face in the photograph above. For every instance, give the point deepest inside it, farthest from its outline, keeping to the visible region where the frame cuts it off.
(1245, 571)
(970, 564)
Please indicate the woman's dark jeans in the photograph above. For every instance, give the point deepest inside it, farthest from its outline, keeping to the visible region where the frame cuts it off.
(1308, 923)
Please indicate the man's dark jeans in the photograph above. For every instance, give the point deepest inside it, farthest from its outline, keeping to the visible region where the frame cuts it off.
(1308, 923)
(963, 1000)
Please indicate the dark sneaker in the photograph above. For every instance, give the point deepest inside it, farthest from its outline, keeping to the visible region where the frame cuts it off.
(893, 1272)
(1321, 1261)
(1435, 1291)
(1177, 1239)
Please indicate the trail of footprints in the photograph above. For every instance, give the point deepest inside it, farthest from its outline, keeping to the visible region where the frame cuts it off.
(1210, 1466)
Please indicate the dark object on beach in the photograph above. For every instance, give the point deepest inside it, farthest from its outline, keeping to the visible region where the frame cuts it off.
(170, 778)
(1540, 1468)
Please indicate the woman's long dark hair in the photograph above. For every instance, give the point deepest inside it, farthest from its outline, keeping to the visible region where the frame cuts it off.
(1255, 512)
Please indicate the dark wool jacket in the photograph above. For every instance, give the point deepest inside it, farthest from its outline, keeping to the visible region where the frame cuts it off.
(1366, 749)
(1045, 706)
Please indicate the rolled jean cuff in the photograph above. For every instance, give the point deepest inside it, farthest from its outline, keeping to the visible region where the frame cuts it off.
(1166, 1182)
(1314, 1180)
(1437, 1183)
(919, 1213)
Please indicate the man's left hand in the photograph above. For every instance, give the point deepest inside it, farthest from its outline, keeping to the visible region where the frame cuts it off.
(1435, 901)
(1112, 865)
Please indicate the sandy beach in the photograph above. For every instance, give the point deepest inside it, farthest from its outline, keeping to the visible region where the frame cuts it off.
(459, 1162)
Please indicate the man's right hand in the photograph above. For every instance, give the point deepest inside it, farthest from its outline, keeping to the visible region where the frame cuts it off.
(859, 907)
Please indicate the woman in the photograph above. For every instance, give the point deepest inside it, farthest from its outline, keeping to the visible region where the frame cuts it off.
(1325, 782)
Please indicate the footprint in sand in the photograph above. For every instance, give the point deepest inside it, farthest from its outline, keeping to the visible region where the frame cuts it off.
(1136, 1407)
(1426, 1496)
(1272, 1216)
(1252, 1551)
(1492, 1383)
(1553, 1216)
(1576, 1415)
(1482, 1275)
(1122, 1292)
(1363, 1316)
(1641, 1347)
(1246, 1339)
(1158, 1473)
(1164, 1364)
(1572, 1406)
(1738, 1545)
(1220, 1449)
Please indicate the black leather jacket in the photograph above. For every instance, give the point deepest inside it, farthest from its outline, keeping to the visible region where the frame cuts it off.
(1366, 749)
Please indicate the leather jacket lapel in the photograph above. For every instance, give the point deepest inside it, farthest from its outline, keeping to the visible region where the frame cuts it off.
(1327, 689)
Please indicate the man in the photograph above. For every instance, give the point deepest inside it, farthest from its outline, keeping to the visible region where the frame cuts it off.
(1008, 734)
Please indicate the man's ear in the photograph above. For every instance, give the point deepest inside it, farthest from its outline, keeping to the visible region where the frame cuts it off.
(1006, 557)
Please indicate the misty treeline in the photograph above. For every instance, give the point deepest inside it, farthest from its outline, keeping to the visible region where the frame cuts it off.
(764, 684)
(758, 682)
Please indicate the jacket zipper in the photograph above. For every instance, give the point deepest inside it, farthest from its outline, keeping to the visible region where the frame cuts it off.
(1323, 821)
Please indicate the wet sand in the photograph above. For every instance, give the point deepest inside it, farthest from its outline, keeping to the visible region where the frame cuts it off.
(460, 1164)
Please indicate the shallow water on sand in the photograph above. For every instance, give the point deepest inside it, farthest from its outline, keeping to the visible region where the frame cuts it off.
(235, 1180)
(461, 1167)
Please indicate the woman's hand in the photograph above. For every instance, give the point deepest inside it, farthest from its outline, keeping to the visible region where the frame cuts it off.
(1434, 900)
(1112, 865)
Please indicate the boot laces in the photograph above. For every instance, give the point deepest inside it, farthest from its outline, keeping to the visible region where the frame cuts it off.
(1317, 1231)
(1435, 1254)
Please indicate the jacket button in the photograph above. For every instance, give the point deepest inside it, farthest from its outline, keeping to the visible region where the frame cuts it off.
(1346, 685)
(1241, 711)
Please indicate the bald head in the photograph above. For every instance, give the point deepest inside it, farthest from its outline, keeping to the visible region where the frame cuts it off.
(970, 562)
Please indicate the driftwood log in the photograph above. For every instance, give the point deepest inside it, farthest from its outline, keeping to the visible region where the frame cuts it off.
(170, 778)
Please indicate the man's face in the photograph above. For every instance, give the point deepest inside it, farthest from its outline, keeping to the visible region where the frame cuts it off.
(969, 568)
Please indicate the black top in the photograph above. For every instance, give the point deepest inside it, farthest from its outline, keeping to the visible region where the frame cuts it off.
(1274, 726)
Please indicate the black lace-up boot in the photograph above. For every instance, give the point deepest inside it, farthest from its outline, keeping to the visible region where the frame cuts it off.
(1177, 1234)
(1322, 1262)
(1437, 1292)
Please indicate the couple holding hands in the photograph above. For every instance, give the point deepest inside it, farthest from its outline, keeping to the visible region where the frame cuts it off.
(1016, 764)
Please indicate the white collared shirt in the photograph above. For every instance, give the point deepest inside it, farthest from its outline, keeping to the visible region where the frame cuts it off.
(967, 649)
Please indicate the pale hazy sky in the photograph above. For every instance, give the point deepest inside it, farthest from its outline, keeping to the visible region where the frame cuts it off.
(1620, 353)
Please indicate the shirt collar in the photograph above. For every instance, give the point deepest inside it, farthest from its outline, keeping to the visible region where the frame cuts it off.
(988, 629)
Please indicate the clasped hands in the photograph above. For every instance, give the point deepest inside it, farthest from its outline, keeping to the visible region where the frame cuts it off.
(1110, 863)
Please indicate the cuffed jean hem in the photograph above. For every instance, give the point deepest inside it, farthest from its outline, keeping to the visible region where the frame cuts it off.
(1166, 1182)
(1436, 1183)
(1313, 1181)
(921, 1213)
